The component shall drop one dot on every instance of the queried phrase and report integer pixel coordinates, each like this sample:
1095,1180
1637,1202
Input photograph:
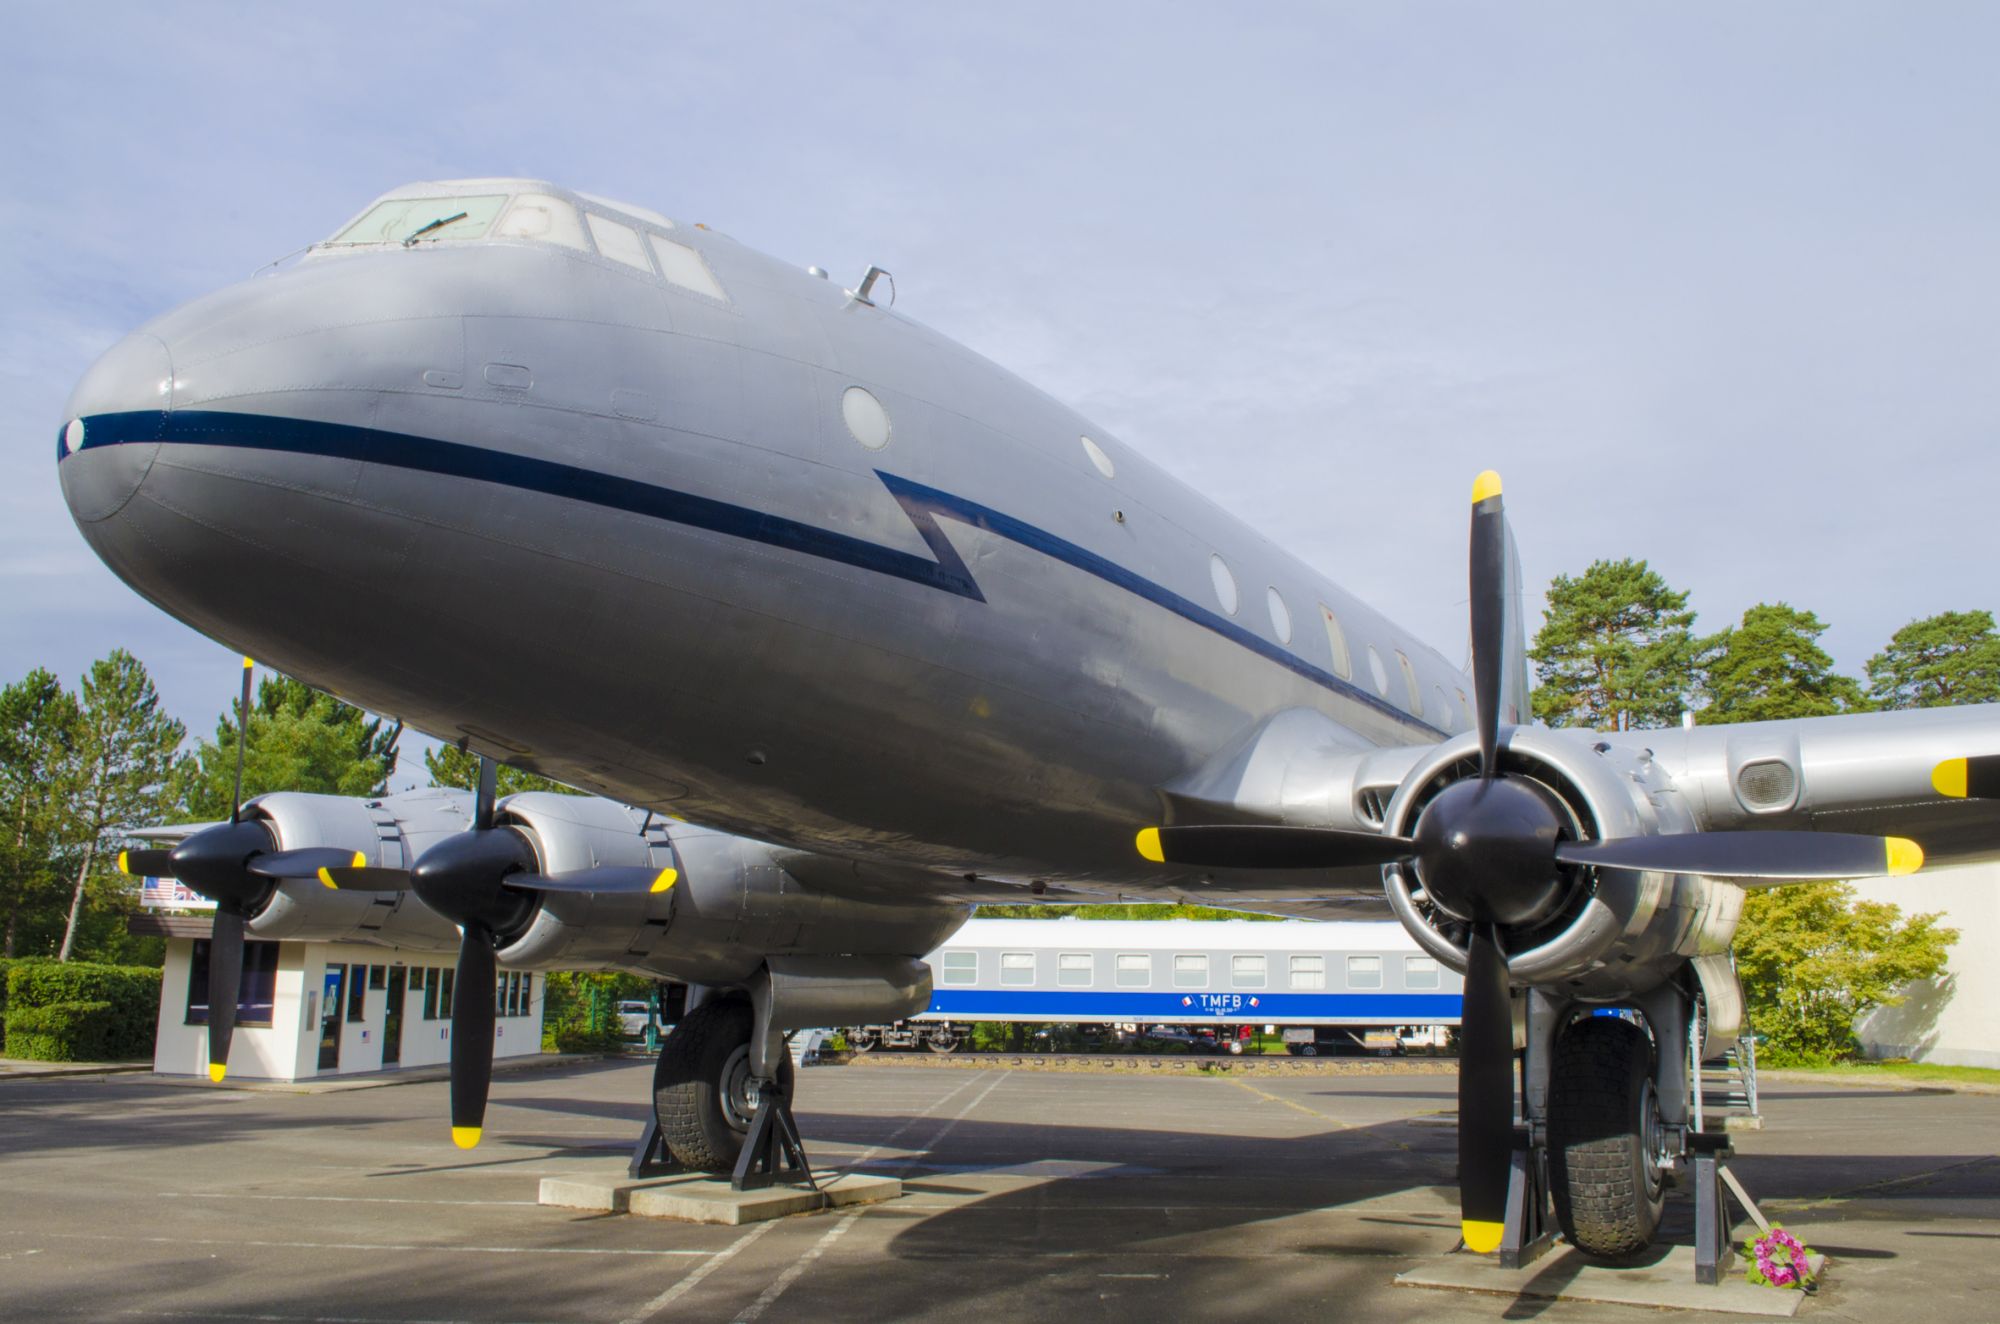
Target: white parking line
433,1248
327,1199
791,1275
689,1283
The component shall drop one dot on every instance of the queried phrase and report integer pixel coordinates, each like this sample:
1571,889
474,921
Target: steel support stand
772,1152
1714,1254
1526,1235
651,1157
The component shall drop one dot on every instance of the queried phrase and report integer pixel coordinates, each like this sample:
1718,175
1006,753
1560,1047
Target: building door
329,1019
392,1018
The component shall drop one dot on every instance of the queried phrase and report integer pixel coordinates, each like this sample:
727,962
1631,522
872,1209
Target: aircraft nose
113,425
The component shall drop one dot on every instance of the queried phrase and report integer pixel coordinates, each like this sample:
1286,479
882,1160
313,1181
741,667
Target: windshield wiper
438,224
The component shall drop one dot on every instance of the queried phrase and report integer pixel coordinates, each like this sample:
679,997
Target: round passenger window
865,417
1099,458
1281,615
1225,583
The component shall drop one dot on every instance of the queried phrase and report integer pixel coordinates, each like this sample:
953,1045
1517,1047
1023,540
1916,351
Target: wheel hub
738,1093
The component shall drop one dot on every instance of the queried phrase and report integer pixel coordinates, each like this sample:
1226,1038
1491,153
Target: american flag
171,894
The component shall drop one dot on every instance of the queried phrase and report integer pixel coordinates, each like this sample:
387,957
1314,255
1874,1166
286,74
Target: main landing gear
722,1101
1607,1124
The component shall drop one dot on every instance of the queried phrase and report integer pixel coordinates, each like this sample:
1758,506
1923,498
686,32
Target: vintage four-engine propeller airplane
625,503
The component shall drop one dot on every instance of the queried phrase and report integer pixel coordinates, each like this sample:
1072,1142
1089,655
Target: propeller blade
1488,584
363,878
482,796
225,980
472,1035
305,862
1225,846
242,739
604,880
1975,778
1776,856
1485,1094
146,863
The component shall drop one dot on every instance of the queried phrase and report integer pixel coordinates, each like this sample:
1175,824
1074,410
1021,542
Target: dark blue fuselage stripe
948,573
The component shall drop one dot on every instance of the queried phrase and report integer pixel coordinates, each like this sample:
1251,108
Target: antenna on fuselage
861,292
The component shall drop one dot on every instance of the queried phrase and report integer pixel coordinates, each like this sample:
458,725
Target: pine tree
300,740
452,766
39,729
1771,666
1616,650
120,767
1950,658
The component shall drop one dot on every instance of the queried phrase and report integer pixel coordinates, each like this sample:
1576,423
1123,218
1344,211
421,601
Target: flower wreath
1778,1259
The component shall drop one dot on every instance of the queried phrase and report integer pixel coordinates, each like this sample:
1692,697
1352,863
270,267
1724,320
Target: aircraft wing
1868,773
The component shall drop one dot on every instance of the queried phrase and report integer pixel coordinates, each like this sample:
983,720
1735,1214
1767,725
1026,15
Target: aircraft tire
699,1086
1609,1191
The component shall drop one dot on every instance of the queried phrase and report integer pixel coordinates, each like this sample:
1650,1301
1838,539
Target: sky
1715,286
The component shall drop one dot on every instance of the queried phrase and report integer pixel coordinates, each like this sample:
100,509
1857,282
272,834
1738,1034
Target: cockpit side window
618,242
684,267
423,220
539,216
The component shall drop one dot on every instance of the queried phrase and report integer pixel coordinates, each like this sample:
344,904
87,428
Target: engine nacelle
732,908
390,832
1614,933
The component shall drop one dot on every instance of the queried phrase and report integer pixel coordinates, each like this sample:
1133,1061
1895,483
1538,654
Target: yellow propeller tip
1481,1238
249,662
465,1137
1949,778
1485,486
1149,845
1905,856
326,879
667,878
123,865
360,860
217,1070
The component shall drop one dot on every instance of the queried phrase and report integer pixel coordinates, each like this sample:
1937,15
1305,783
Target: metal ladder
1725,1094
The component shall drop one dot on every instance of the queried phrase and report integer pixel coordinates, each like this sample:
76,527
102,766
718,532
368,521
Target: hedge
78,1012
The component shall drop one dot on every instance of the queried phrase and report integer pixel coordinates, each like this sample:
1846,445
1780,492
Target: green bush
124,1030
63,1032
580,1010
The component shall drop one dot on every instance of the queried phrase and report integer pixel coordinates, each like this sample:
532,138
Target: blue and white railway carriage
1228,971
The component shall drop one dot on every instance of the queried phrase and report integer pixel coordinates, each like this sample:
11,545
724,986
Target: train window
1246,972
1073,969
959,969
1017,967
1336,638
618,242
1308,972
1364,972
684,267
1135,970
1190,971
1420,972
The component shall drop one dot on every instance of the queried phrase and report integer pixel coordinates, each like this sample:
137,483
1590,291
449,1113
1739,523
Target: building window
1135,970
1246,972
527,993
445,978
256,991
357,993
1073,969
1190,971
378,977
1017,968
1420,972
959,969
1364,972
1308,972
430,978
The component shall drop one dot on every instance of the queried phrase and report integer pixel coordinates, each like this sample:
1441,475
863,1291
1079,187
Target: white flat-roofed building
313,1009
1953,1019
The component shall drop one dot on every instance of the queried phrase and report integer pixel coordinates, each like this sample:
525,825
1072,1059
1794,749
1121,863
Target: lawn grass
1912,1071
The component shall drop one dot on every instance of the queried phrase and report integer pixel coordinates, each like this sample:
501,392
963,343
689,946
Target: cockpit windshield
423,220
